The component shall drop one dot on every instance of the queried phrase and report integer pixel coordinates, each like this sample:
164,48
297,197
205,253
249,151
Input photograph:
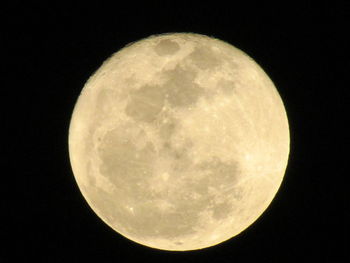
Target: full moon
179,141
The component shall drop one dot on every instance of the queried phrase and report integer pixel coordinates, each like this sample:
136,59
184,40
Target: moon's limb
179,141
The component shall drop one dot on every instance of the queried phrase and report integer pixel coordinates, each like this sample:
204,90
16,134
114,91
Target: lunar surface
179,141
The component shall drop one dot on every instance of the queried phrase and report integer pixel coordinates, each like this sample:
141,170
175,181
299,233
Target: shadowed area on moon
148,185
166,47
180,90
154,204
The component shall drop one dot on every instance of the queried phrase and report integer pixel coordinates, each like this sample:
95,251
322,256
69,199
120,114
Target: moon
179,141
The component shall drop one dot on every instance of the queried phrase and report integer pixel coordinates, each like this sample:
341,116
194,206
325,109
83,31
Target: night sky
52,49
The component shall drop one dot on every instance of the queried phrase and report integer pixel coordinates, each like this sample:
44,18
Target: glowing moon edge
261,146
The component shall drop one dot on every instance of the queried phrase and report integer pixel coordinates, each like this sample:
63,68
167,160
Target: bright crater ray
179,141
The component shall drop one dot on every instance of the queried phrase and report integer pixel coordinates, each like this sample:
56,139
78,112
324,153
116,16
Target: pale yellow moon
179,141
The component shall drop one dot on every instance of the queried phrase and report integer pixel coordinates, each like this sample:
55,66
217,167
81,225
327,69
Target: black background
51,50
